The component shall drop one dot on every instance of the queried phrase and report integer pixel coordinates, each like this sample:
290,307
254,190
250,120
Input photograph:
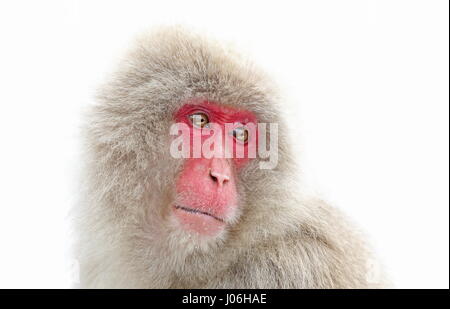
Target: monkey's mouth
197,211
199,221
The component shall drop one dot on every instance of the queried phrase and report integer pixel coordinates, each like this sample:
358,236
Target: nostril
212,177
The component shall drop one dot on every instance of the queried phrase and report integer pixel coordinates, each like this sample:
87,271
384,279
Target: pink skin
206,187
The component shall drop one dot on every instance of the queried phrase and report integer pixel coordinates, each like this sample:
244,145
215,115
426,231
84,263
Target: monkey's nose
219,177
220,171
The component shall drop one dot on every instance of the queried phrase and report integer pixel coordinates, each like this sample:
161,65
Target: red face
206,190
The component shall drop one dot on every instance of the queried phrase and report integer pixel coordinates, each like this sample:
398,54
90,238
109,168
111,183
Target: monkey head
172,89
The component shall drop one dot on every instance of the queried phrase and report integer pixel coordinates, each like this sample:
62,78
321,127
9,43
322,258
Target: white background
366,84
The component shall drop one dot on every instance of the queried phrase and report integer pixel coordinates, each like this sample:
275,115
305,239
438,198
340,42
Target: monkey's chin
199,222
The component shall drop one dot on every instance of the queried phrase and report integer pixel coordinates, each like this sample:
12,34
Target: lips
196,211
199,221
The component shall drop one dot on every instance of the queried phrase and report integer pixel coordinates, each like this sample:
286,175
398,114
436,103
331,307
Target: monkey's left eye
241,134
199,120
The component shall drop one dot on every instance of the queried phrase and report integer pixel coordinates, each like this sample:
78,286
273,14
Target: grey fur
126,238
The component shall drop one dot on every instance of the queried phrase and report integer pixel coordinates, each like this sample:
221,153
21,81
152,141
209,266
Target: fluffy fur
126,237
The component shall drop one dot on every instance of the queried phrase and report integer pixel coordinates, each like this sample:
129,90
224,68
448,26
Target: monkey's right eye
199,120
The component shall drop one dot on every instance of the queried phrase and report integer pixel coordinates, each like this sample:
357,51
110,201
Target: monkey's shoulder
319,249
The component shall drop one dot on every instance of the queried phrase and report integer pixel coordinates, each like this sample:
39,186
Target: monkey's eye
199,120
241,134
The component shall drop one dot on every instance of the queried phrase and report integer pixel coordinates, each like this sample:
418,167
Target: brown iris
241,134
199,120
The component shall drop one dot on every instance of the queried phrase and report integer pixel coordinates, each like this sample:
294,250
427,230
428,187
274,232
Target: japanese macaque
159,212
